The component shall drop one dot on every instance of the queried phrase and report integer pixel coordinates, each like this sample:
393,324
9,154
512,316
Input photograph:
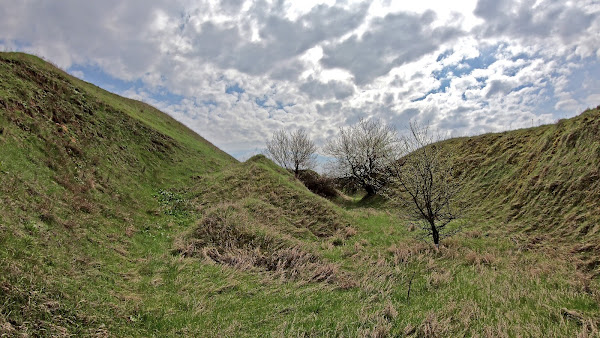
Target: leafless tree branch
363,152
424,181
294,151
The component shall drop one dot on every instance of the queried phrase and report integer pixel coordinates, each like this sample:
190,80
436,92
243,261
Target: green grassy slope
68,146
543,180
79,169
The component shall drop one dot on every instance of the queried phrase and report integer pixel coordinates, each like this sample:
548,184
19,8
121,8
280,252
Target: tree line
413,169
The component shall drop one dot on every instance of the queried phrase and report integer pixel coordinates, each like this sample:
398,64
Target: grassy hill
115,220
79,172
544,181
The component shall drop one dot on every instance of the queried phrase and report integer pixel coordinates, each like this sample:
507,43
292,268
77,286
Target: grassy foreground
116,220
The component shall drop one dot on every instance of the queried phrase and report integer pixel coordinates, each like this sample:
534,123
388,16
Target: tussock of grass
239,235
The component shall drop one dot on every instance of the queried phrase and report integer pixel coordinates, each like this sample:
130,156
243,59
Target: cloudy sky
235,70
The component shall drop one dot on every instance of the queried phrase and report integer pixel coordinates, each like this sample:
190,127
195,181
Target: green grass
543,181
80,169
111,213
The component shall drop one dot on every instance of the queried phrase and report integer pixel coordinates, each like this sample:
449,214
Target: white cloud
467,67
593,100
77,73
568,104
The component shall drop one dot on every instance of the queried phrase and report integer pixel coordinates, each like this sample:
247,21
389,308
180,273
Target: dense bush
348,186
319,184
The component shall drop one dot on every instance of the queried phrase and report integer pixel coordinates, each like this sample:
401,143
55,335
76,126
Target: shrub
319,184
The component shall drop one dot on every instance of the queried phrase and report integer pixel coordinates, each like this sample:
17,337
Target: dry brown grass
376,321
408,252
6,328
478,259
349,232
389,311
439,278
433,326
589,329
228,234
472,234
380,328
589,257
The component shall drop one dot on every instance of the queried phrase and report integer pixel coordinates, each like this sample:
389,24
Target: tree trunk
435,234
370,190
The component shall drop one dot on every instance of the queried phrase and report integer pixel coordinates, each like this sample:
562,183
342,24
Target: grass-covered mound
235,235
277,195
257,215
79,169
543,180
70,149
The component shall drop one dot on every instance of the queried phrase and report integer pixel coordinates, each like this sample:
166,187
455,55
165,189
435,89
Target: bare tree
363,152
425,177
294,151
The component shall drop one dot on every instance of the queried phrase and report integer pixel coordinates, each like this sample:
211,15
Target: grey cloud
118,35
520,19
488,9
281,39
289,71
392,41
389,98
112,34
497,87
319,90
456,119
214,43
231,6
320,23
574,21
328,108
400,120
397,82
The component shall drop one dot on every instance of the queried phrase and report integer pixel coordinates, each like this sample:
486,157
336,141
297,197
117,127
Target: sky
235,71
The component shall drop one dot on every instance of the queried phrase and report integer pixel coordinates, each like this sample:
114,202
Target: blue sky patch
444,55
517,88
235,88
445,83
446,74
261,102
97,76
487,56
